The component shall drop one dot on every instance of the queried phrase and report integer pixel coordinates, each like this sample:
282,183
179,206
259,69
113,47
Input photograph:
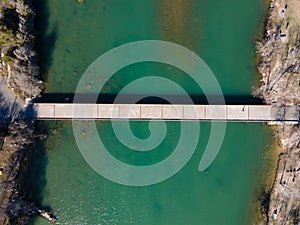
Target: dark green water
220,32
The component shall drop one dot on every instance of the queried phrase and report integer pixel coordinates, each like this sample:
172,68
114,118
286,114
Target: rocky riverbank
19,70
280,84
18,138
19,59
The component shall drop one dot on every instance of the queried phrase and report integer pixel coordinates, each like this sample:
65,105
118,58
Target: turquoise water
223,34
221,195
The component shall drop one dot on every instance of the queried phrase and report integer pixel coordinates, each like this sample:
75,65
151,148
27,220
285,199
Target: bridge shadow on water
174,99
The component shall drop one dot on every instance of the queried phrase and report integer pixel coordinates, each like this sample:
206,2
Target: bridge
234,113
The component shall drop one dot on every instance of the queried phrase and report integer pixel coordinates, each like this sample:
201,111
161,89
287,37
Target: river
223,34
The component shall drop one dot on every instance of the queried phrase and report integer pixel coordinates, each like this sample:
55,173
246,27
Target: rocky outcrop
17,50
280,65
19,137
20,71
280,68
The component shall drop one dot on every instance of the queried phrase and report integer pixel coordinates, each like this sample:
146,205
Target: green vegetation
8,43
7,37
8,32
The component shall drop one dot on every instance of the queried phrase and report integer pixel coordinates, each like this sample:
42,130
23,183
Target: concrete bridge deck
243,113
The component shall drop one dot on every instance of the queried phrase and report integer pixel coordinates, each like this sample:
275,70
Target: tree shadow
10,112
30,153
45,39
5,115
34,161
33,180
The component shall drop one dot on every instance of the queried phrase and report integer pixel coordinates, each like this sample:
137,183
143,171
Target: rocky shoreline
19,71
19,59
19,138
279,65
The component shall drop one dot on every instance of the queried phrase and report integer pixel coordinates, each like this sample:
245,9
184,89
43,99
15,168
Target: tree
7,39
